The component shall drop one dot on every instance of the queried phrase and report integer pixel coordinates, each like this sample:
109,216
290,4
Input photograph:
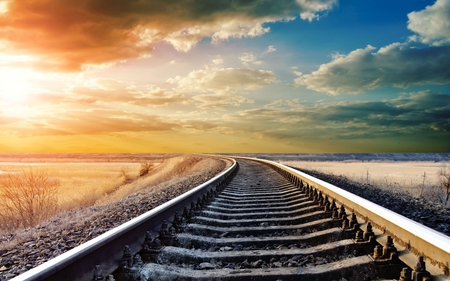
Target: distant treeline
383,157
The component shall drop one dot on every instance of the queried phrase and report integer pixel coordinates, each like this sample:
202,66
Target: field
419,179
81,181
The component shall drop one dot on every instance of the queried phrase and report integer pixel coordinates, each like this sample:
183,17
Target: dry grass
81,184
100,183
168,169
27,197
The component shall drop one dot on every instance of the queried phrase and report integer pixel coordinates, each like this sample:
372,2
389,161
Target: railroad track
259,221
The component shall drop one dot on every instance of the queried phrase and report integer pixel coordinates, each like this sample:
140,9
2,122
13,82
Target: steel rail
106,250
415,238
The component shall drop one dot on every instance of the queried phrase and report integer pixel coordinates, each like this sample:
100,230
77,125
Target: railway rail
259,220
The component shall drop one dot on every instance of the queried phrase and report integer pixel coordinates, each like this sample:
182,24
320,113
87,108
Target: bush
145,168
444,183
125,174
27,198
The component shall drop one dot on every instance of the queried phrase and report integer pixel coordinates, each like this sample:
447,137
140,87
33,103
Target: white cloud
400,65
217,61
314,8
270,49
432,24
248,59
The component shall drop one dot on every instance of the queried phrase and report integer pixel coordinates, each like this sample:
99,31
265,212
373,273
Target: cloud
7,119
248,59
219,87
401,65
314,7
226,79
72,35
270,49
85,122
411,114
432,24
217,61
107,91
220,100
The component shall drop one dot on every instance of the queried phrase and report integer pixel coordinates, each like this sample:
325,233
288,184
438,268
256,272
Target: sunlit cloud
224,78
113,91
220,100
220,87
85,122
248,59
6,118
217,61
432,24
75,35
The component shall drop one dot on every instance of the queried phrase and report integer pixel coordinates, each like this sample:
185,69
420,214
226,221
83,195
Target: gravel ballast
430,214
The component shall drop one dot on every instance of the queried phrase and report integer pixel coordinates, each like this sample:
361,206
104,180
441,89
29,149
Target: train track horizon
259,220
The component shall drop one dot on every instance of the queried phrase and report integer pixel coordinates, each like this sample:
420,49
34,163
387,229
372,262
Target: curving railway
259,220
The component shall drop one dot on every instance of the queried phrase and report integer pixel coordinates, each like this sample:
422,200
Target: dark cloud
68,35
410,114
398,65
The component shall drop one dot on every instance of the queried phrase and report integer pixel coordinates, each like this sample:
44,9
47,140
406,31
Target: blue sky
225,76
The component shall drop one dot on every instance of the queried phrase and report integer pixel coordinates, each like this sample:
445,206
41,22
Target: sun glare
3,6
15,86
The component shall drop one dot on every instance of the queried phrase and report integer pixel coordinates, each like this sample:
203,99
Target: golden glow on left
4,6
15,86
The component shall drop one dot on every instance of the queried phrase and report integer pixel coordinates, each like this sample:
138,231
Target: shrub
125,174
444,183
27,198
145,168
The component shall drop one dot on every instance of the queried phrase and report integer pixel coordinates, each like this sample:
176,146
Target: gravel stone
430,214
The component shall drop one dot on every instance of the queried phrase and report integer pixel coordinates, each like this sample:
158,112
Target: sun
15,86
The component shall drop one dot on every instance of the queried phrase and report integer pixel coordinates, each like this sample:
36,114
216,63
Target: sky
224,76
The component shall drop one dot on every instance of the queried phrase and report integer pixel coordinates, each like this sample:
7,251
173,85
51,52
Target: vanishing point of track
259,221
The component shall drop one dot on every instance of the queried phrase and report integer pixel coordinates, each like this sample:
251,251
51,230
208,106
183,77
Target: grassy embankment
73,183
